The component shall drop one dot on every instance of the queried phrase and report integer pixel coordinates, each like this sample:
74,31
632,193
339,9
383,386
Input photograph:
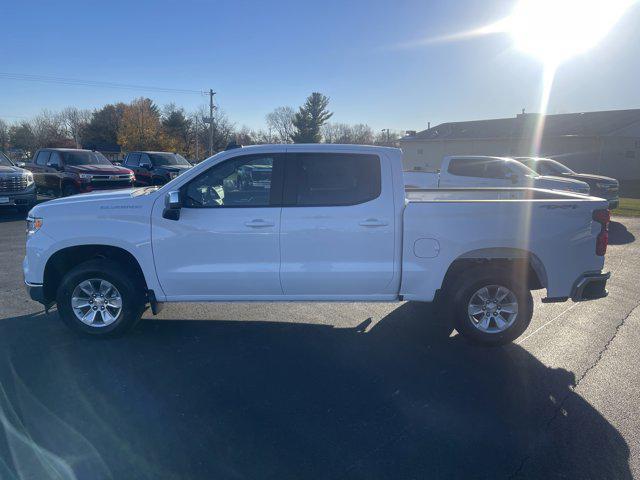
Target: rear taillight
602,240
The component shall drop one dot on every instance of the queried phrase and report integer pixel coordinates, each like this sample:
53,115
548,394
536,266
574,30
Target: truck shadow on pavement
228,399
619,235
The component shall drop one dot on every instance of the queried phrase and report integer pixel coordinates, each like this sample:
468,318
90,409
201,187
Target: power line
91,83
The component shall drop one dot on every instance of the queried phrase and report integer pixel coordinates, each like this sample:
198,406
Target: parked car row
500,172
61,172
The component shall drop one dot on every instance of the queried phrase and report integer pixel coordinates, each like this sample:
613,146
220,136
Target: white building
606,143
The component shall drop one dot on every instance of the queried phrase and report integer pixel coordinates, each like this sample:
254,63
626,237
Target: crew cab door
38,167
144,172
226,243
475,172
132,162
338,226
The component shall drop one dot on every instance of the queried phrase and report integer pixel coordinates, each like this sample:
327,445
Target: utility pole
197,141
211,94
388,133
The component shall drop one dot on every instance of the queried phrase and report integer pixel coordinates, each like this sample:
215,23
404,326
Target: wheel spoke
115,302
475,309
510,307
501,294
79,302
106,316
483,293
484,323
87,288
500,323
89,317
104,287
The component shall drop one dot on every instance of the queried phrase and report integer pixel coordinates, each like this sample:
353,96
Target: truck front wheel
98,298
491,306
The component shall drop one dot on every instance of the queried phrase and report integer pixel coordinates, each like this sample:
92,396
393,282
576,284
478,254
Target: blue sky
260,55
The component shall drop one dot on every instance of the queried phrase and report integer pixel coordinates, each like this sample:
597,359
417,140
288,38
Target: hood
175,168
98,169
590,179
557,183
11,171
101,196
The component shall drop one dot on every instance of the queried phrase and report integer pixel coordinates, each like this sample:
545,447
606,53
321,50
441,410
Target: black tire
69,190
471,281
132,294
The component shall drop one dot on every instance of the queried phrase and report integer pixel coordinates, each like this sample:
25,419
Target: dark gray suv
16,185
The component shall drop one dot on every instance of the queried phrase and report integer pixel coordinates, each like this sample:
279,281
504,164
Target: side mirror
513,177
172,205
21,164
54,165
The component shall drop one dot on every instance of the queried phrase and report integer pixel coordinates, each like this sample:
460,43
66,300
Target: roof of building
523,125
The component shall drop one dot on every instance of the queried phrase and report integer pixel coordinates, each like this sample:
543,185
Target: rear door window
332,179
55,159
42,158
133,160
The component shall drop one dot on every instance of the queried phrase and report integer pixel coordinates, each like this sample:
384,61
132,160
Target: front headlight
34,224
173,175
29,177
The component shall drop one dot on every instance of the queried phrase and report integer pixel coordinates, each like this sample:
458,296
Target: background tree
75,121
103,127
49,131
359,133
280,121
140,128
4,135
21,136
389,139
176,129
223,131
310,118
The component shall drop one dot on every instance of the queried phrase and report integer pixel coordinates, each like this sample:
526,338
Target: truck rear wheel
491,306
98,298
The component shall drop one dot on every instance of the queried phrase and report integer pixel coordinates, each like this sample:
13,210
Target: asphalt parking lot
321,390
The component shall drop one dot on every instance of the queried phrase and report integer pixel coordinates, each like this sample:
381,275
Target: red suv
67,171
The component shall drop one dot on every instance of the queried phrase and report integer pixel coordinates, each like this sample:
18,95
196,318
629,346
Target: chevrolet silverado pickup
62,172
332,223
482,171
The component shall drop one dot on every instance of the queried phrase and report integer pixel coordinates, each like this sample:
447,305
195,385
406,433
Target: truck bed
553,228
491,195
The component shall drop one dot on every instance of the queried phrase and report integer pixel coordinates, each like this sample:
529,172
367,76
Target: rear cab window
480,168
332,179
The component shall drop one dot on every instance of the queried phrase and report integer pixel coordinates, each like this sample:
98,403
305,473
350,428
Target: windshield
161,159
551,167
85,158
4,161
521,169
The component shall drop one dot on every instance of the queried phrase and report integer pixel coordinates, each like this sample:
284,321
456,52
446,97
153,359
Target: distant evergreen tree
310,118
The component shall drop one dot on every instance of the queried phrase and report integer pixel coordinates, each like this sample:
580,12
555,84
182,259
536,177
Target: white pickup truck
492,172
333,223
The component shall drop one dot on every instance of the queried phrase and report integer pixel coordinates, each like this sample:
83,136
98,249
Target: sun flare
555,30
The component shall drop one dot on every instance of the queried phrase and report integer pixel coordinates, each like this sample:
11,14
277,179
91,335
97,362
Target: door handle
373,222
259,223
